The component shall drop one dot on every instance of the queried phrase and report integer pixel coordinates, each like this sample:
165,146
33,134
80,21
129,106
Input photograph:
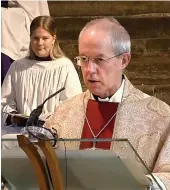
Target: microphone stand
33,118
33,121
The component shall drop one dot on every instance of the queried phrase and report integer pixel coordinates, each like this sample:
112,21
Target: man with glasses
112,107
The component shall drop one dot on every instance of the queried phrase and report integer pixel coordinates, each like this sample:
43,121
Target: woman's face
42,42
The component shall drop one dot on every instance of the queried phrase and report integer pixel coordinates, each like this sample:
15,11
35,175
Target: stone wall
148,24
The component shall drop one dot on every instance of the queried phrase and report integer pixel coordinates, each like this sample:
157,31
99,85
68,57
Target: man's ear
125,60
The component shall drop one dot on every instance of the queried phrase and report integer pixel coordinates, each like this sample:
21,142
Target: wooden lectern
52,161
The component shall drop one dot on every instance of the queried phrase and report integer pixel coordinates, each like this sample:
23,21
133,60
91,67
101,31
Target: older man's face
102,78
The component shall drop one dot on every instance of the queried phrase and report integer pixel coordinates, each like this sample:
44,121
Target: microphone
37,112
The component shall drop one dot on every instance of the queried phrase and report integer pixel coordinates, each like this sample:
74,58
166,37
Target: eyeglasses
97,60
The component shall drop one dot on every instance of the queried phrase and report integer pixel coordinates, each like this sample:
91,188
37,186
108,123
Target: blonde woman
31,80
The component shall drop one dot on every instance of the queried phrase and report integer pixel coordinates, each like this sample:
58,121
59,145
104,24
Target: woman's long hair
47,23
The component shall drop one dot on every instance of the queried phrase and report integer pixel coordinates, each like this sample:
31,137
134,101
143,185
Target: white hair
120,38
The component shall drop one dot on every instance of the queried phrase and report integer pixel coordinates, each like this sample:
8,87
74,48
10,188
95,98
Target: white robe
15,23
29,82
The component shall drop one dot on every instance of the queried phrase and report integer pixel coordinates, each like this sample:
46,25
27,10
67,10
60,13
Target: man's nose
91,66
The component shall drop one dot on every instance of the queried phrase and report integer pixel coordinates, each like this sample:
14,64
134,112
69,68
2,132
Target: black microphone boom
37,112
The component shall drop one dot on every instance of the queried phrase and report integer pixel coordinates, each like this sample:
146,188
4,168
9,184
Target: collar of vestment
48,58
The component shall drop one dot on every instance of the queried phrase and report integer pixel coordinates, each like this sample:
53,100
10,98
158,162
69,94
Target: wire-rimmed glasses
84,60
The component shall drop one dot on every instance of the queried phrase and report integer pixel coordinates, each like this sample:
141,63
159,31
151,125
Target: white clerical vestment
142,119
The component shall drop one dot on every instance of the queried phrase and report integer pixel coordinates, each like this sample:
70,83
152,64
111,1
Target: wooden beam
53,164
36,160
